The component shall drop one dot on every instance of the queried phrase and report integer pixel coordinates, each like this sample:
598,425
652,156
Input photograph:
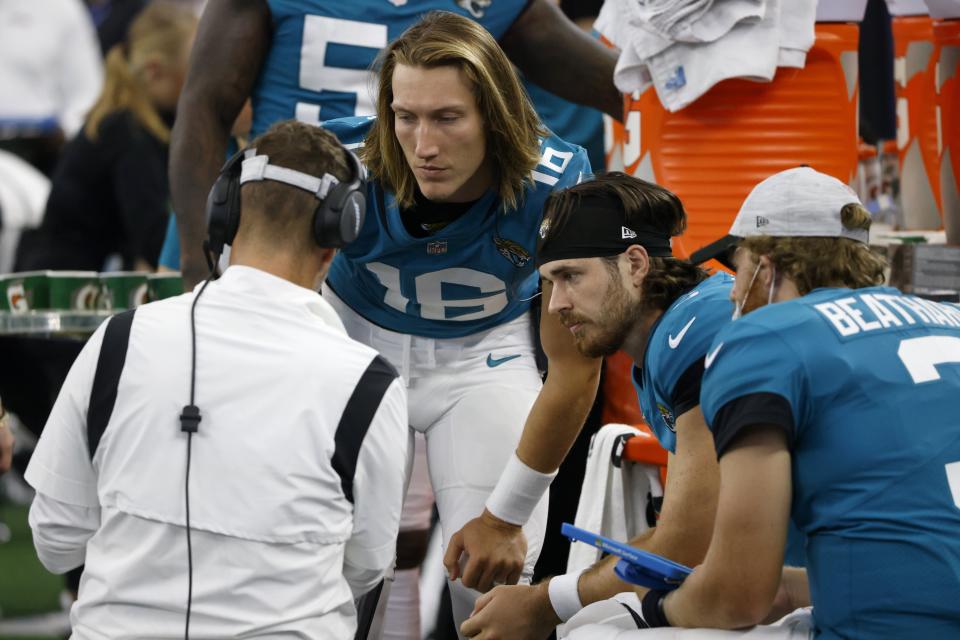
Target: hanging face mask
773,283
738,310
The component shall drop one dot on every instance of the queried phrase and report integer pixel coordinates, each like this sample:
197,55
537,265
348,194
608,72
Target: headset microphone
190,423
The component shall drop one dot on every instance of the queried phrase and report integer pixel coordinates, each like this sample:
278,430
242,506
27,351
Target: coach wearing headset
290,505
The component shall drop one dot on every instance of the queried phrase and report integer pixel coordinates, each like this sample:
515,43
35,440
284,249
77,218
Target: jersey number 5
319,32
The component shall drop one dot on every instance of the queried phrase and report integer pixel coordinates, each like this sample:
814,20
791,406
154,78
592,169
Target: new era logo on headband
544,228
762,222
592,233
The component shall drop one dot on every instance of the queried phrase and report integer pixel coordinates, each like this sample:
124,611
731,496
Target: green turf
26,588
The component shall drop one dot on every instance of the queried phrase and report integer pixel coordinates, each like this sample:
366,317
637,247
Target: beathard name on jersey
873,311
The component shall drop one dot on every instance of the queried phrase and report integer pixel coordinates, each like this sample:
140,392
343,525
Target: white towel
907,7
641,484
613,502
797,32
686,71
23,198
644,25
942,9
685,47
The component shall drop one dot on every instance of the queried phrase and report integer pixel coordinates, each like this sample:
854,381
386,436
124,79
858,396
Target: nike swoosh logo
496,362
675,342
708,360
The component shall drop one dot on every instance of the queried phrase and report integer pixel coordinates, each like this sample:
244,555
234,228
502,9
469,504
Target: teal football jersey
319,63
669,383
868,384
474,274
678,341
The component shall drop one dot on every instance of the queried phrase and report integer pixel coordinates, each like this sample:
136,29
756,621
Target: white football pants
470,397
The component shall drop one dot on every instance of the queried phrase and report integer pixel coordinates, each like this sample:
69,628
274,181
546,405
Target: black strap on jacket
356,419
103,396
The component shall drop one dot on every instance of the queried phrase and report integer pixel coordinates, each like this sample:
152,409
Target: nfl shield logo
436,248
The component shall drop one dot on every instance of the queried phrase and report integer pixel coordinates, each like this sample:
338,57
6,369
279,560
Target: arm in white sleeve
80,68
61,532
361,581
378,487
66,510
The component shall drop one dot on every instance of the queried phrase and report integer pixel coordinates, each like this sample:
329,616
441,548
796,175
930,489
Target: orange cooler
714,151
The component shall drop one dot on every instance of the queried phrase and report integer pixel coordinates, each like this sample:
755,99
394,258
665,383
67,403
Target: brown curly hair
824,262
280,212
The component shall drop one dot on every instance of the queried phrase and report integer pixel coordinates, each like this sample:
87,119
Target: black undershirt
751,410
426,217
686,393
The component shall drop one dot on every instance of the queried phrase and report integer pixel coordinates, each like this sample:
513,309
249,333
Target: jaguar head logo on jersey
474,7
667,416
512,251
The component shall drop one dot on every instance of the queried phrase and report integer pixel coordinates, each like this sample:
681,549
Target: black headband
596,229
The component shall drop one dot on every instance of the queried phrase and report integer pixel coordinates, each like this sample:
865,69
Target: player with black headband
605,247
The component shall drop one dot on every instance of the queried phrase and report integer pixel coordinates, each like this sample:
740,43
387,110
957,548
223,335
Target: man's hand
6,445
495,552
519,612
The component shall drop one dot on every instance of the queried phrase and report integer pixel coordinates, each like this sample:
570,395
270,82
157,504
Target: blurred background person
576,123
112,19
51,71
110,190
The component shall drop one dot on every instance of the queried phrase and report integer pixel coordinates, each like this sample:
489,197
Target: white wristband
518,491
564,596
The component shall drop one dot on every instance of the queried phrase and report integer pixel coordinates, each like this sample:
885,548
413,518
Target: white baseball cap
798,202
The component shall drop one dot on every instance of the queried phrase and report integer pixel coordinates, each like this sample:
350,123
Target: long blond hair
161,31
512,127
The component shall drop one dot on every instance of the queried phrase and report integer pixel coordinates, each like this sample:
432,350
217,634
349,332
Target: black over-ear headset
336,220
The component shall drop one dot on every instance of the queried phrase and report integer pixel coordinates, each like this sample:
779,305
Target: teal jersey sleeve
746,359
870,380
668,384
351,131
170,253
572,122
